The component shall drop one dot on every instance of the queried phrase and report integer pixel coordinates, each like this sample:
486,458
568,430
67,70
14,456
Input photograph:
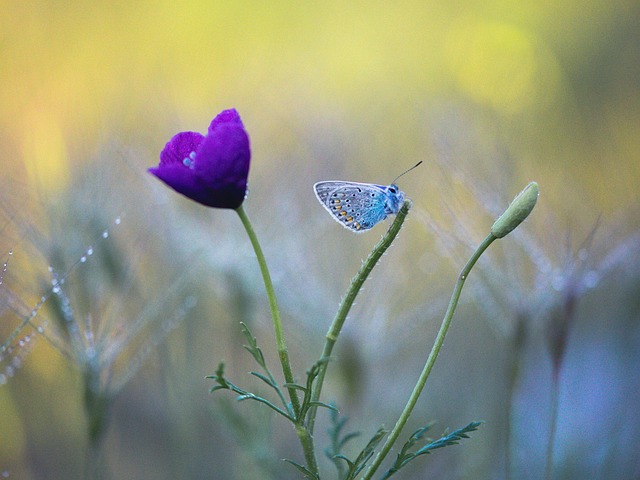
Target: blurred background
117,289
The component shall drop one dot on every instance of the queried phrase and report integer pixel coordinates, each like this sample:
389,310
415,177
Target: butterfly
360,206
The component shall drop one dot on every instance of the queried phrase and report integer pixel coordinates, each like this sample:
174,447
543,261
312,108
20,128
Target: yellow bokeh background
489,94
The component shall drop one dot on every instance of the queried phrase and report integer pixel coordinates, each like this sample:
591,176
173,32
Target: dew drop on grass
105,234
90,251
83,259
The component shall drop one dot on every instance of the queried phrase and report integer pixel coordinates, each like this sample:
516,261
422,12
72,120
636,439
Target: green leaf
295,386
325,405
265,379
333,451
219,378
404,457
340,456
415,436
253,345
367,451
452,439
312,374
348,437
216,387
357,465
304,470
224,384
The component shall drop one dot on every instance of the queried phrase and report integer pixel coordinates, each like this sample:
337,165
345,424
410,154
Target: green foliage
307,401
286,411
304,470
338,442
267,377
354,467
349,469
224,384
405,456
302,413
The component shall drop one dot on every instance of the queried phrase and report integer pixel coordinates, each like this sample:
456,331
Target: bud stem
435,350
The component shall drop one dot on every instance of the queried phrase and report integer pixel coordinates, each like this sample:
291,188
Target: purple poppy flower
211,169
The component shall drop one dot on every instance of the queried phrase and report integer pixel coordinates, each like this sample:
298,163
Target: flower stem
305,438
435,350
283,353
349,298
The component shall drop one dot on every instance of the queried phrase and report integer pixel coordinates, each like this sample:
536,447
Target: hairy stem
435,350
347,302
306,439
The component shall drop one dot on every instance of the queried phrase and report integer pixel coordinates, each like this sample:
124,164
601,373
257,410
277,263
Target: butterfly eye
393,189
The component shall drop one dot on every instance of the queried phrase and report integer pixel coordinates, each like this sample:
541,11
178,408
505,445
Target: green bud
517,211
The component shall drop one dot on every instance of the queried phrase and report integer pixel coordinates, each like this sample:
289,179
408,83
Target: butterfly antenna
407,171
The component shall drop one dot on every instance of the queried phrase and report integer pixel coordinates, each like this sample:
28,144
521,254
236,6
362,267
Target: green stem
435,350
306,439
349,298
273,306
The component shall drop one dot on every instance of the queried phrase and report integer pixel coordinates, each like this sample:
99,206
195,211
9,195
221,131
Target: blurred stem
349,298
435,350
555,394
97,404
306,439
514,373
516,347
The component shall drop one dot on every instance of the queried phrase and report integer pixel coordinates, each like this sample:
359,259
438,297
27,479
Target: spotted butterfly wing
357,206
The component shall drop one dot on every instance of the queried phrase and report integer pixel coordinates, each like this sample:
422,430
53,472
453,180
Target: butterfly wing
356,206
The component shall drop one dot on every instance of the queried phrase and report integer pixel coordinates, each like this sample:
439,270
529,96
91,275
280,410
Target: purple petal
225,117
223,157
217,165
179,147
183,180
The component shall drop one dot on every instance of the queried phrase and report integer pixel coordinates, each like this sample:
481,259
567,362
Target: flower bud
518,210
210,169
